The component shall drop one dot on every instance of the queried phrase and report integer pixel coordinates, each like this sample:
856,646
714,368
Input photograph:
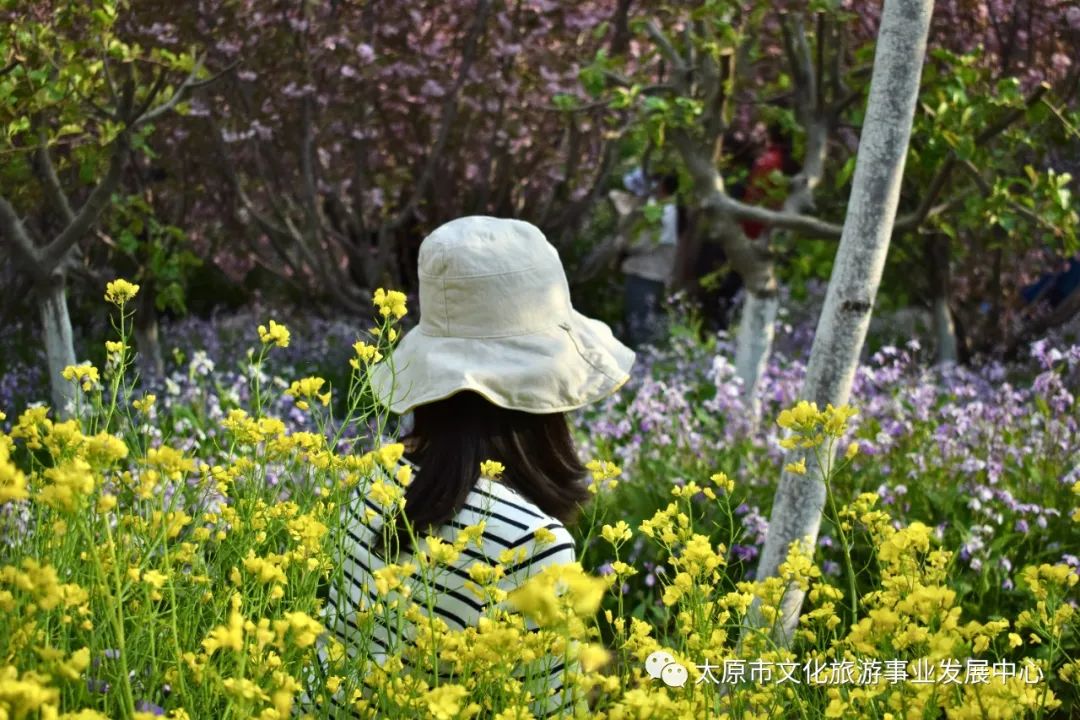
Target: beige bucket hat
495,318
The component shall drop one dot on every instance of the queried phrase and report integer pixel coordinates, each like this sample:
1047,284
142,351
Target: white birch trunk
894,87
757,325
59,347
945,332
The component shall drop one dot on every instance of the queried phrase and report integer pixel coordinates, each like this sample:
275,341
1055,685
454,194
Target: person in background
775,156
636,182
649,268
1054,287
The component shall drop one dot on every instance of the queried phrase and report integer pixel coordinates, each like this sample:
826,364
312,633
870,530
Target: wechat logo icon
661,665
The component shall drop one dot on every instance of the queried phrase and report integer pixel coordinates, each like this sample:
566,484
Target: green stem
826,478
117,620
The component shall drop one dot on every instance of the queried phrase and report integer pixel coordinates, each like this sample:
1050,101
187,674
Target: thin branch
836,79
155,88
913,220
215,77
666,48
819,60
987,190
47,172
11,227
55,252
114,94
941,177
170,104
787,36
448,115
795,222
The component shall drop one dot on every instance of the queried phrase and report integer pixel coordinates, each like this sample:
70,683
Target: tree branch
941,177
11,227
47,173
169,105
987,190
448,114
54,253
667,49
155,89
807,81
819,60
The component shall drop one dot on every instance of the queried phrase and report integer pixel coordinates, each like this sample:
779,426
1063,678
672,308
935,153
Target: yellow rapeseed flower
603,475
366,353
120,291
390,303
276,334
543,536
86,375
444,702
559,592
306,389
723,482
592,657
12,480
143,405
388,455
67,484
617,534
798,468
804,416
226,637
492,469
440,551
305,629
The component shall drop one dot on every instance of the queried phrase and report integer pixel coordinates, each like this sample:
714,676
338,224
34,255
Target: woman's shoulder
510,515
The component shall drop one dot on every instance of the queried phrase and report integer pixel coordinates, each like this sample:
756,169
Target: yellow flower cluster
136,549
492,469
306,389
809,426
275,334
12,480
390,303
603,475
366,354
86,375
120,291
559,593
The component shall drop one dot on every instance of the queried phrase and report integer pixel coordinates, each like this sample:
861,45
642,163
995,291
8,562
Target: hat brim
562,368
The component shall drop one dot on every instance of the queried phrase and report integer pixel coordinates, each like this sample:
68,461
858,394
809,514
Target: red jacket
759,184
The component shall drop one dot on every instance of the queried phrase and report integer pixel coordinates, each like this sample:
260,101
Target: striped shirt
510,523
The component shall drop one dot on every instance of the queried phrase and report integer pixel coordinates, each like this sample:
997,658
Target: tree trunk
945,332
937,259
150,360
864,244
59,347
757,324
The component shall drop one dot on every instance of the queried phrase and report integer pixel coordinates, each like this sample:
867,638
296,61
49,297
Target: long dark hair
450,439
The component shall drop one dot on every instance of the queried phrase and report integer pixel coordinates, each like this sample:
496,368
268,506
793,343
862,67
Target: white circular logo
661,665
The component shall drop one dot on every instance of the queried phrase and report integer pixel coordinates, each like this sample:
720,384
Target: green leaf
845,173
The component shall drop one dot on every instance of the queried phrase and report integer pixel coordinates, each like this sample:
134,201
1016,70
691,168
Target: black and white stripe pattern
510,524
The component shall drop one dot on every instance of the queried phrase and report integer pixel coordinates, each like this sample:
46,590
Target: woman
649,268
497,359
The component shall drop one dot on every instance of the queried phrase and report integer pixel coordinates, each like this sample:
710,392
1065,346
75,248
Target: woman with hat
498,359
